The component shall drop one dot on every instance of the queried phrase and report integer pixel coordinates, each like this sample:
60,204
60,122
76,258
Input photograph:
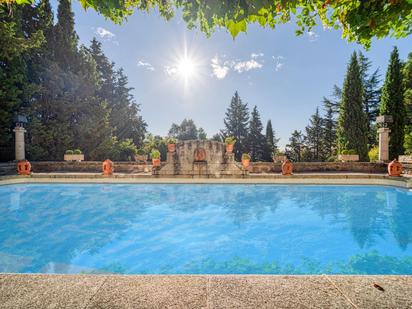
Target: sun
186,68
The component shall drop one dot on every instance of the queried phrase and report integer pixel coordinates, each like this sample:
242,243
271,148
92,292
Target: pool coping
204,291
303,178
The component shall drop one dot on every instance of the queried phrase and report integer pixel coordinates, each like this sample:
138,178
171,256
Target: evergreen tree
352,129
201,134
187,130
295,147
66,39
314,137
236,124
271,141
371,95
407,86
15,87
392,104
217,137
329,133
256,141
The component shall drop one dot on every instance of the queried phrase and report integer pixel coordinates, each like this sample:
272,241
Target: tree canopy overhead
359,20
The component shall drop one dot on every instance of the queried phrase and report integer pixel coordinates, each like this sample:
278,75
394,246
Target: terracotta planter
245,163
24,167
229,148
395,168
287,168
277,159
171,147
107,167
156,162
74,157
348,158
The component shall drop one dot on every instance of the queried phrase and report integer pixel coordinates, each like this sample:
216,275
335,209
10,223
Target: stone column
384,144
19,148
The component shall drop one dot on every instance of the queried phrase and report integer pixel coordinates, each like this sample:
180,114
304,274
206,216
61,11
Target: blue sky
284,75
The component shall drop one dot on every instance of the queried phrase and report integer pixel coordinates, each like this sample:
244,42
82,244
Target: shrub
69,152
245,156
77,151
155,154
373,154
171,140
230,140
140,152
332,159
348,152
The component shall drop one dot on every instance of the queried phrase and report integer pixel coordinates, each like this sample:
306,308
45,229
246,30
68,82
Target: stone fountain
200,158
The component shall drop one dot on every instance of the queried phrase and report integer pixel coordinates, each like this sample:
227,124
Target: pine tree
236,124
314,137
256,141
271,141
352,129
329,133
392,104
371,95
295,147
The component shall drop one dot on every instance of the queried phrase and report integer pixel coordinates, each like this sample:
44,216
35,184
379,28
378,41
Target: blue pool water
205,229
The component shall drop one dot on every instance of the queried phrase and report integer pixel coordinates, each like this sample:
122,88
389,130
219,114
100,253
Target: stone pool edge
314,179
204,291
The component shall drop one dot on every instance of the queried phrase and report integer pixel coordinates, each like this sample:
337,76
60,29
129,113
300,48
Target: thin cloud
278,62
145,65
104,33
313,36
219,69
170,70
222,68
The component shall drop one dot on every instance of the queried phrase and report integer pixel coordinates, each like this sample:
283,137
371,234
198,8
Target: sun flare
186,68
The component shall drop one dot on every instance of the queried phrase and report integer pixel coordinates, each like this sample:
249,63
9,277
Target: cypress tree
66,39
236,124
407,86
256,141
352,129
392,104
271,141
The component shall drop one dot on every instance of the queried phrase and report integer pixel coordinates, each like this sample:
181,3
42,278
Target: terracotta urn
395,168
229,148
23,167
245,163
156,162
107,167
287,168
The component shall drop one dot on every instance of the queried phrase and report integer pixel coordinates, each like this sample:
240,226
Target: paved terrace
187,291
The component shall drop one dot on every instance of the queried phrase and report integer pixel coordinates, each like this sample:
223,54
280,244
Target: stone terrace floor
208,291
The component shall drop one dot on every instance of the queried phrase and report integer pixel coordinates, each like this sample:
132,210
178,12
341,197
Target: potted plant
279,156
245,160
155,155
230,142
74,155
141,155
171,144
348,156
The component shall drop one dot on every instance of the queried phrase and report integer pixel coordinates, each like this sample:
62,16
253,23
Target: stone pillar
19,148
384,144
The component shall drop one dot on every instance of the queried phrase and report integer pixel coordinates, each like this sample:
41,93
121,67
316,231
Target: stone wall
87,167
312,167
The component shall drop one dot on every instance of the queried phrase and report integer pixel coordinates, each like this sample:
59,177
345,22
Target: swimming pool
205,229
